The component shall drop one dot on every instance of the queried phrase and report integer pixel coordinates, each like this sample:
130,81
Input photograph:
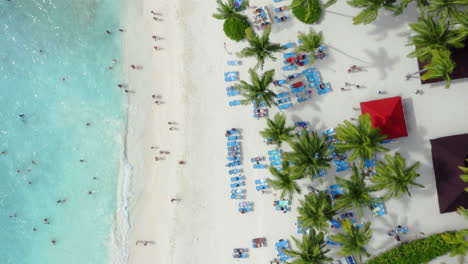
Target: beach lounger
233,93
296,85
289,68
233,62
231,76
237,197
298,90
260,181
261,187
237,191
230,89
234,158
335,186
281,95
282,244
244,210
232,143
279,82
289,44
293,76
284,258
234,103
308,71
335,223
259,166
234,171
378,208
302,99
283,100
232,138
276,163
289,55
237,178
323,90
245,204
237,184
275,157
274,152
285,106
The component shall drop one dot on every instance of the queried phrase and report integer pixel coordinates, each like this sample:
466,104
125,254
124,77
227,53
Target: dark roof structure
447,154
460,57
387,114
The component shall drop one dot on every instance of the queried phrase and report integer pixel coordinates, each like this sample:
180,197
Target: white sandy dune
205,226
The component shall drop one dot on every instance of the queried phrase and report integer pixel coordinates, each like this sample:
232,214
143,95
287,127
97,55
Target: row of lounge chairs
275,158
282,205
234,160
245,207
261,184
282,245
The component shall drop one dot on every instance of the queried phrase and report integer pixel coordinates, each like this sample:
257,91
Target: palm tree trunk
409,75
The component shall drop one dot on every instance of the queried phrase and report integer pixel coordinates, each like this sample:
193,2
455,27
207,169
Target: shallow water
53,132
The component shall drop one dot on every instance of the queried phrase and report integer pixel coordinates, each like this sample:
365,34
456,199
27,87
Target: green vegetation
446,10
415,252
357,193
362,139
316,210
258,91
459,243
234,27
310,43
284,180
311,153
395,177
464,176
260,47
310,250
354,239
307,11
277,129
441,66
370,9
235,24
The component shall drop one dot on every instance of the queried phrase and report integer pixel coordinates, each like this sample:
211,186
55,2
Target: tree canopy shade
371,9
310,43
447,10
354,239
277,129
310,250
260,47
258,91
235,24
357,193
316,210
284,180
394,177
311,153
441,66
362,139
432,34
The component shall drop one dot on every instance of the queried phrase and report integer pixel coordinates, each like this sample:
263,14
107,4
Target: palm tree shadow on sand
381,61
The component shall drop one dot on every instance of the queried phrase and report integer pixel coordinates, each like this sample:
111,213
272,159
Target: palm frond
354,239
311,249
257,92
316,210
441,66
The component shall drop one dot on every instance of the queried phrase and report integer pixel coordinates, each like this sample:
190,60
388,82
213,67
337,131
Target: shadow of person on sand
381,61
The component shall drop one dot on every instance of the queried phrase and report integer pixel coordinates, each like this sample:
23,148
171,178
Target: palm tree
354,239
464,176
356,193
459,242
310,43
441,66
258,91
432,35
395,177
462,21
310,250
228,9
260,47
307,11
371,9
285,181
462,211
446,9
363,139
310,154
316,210
277,129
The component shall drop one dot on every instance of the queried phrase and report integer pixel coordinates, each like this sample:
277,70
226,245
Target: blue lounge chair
284,258
281,95
232,143
289,55
230,89
283,100
293,76
308,71
335,186
237,191
232,138
259,166
234,158
237,184
289,44
234,103
237,197
335,223
274,152
233,164
279,82
245,209
233,93
245,204
276,163
261,187
260,181
234,131
281,243
324,89
285,106
234,171
237,178
233,62
298,89
275,157
231,76
289,68
378,208
302,99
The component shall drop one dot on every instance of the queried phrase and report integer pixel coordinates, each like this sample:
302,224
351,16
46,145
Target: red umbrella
387,114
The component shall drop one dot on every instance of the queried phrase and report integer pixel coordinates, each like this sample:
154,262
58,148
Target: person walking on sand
172,128
133,66
175,200
171,123
155,48
108,32
181,162
164,152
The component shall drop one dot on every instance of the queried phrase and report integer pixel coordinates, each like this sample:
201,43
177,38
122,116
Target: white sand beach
204,226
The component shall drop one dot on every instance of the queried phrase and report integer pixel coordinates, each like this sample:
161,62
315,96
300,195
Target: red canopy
387,114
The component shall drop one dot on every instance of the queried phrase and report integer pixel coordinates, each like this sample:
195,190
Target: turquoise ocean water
53,132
